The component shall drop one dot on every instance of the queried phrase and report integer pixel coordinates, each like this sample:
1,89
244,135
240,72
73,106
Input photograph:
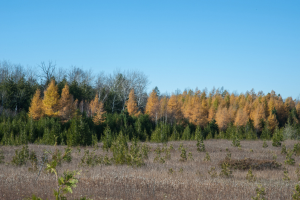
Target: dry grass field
154,180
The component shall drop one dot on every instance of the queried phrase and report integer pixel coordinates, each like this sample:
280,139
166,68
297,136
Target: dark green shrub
297,149
1,157
21,156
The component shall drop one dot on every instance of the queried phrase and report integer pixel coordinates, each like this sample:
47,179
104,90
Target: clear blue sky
239,44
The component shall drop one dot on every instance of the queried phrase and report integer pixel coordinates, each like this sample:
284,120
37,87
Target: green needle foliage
277,138
296,195
236,142
298,173
225,172
297,149
283,149
1,157
288,159
207,157
265,145
286,175
250,177
190,156
200,145
212,172
183,157
260,193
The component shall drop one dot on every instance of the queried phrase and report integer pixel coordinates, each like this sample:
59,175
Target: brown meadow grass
189,180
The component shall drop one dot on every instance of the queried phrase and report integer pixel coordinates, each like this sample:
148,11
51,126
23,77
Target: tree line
76,107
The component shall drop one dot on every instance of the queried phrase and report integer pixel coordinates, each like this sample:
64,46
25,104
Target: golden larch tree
241,118
152,106
51,100
273,123
67,106
36,107
199,113
132,105
174,108
97,110
222,118
258,115
163,108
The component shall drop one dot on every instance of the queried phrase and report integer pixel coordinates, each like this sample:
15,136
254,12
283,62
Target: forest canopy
75,107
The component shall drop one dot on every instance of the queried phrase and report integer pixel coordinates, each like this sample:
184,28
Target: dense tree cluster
77,108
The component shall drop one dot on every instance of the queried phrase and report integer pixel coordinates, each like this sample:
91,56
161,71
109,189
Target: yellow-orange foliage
163,107
241,118
132,105
36,107
298,109
174,108
273,123
258,115
67,107
211,113
97,110
222,118
199,114
152,106
51,100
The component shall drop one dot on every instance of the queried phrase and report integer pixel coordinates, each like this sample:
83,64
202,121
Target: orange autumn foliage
97,110
51,100
132,105
36,107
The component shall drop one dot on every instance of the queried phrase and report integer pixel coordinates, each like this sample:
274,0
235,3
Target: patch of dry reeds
188,180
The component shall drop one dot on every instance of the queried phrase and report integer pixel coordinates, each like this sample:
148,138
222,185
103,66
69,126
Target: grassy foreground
171,177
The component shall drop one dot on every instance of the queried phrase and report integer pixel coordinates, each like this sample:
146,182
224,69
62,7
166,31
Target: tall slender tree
36,107
132,105
97,110
67,106
51,100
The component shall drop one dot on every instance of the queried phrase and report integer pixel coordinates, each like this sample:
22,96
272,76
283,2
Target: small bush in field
200,145
283,149
236,142
288,159
190,156
158,152
286,175
228,155
89,159
183,155
260,193
168,154
298,173
265,145
68,156
277,138
212,172
106,160
1,157
207,157
21,156
274,157
145,150
250,177
33,160
171,171
225,172
296,195
297,149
